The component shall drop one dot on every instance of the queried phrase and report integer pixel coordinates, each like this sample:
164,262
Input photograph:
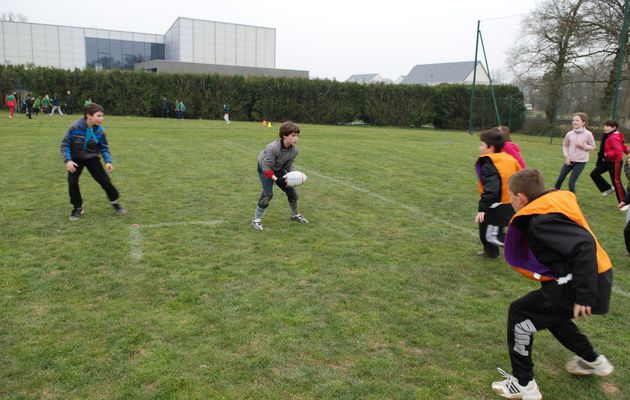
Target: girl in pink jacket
575,147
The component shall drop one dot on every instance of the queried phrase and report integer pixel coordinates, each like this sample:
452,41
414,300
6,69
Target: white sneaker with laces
608,192
299,218
600,367
511,389
257,225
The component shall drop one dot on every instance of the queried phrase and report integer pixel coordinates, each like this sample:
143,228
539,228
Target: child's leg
615,177
527,315
626,234
578,167
98,173
490,249
564,171
73,186
265,196
568,334
596,176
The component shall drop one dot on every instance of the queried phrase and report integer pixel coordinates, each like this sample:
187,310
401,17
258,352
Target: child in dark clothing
80,147
610,158
493,170
549,240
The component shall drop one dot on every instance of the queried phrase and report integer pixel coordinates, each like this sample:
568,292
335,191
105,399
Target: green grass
379,297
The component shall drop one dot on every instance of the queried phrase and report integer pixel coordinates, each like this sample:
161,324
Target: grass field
381,296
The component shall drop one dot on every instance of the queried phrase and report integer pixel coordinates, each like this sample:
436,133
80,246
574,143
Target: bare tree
554,38
13,17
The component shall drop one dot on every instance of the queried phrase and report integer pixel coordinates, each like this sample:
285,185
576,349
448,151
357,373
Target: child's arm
105,152
590,142
491,182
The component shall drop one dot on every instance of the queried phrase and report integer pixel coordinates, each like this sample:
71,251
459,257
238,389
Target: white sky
330,39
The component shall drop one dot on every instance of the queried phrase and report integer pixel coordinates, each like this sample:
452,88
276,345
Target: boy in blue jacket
80,147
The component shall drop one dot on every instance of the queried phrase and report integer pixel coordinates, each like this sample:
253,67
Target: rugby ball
295,178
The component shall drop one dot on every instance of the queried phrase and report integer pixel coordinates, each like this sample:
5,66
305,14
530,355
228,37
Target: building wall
174,67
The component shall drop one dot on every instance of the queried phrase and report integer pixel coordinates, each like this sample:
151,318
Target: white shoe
608,192
600,367
511,389
257,225
299,218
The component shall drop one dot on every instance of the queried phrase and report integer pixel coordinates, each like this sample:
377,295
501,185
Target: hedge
275,99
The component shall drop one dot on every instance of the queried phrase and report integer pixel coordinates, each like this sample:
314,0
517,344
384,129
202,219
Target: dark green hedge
274,99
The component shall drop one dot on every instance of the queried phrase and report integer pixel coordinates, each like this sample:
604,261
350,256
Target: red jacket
614,148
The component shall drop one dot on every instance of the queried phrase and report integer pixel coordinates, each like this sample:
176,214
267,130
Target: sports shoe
483,253
76,213
608,192
600,367
299,218
511,389
257,225
119,209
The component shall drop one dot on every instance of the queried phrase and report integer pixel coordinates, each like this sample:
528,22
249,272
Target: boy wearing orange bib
549,240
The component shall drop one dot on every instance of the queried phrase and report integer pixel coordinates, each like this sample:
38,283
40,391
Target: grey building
192,42
453,72
365,78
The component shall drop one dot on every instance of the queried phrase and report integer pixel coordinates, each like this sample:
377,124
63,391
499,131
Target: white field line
377,196
135,236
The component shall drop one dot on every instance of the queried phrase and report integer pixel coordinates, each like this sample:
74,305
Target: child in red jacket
614,150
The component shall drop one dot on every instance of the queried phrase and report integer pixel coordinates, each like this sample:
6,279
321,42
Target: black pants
626,236
98,173
532,313
489,248
614,171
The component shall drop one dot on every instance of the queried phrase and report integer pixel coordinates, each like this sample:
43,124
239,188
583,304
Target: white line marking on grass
377,196
135,237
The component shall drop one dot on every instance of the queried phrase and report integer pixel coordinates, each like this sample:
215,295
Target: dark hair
611,122
505,131
528,181
288,128
91,109
493,137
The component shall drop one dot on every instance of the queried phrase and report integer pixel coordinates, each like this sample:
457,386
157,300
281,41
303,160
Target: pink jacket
512,149
582,137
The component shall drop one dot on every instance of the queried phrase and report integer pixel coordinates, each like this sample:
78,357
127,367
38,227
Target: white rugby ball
295,178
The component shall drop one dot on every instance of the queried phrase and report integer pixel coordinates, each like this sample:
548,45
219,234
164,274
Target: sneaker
600,367
299,218
608,192
257,225
119,209
483,253
76,213
511,389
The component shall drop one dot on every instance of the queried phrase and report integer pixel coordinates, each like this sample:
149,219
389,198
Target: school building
189,46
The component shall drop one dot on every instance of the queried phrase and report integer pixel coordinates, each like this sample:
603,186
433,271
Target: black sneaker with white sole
76,213
257,225
299,218
119,209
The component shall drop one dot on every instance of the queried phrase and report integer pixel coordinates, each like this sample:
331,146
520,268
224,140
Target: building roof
431,74
365,78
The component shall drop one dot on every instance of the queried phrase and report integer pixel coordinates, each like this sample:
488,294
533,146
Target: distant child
274,161
226,113
549,240
575,147
10,101
610,158
510,147
80,147
493,170
56,105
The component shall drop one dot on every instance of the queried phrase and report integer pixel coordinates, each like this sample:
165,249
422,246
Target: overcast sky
330,39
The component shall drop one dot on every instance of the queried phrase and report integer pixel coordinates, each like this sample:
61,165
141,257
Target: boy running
80,147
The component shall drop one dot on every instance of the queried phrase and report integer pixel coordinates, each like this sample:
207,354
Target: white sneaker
299,218
511,389
608,192
600,367
257,225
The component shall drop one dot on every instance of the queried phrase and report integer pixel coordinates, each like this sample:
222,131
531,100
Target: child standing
614,150
80,147
226,113
549,240
510,147
575,147
493,170
274,161
10,100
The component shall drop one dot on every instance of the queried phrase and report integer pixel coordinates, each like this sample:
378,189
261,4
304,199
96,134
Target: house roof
429,74
363,78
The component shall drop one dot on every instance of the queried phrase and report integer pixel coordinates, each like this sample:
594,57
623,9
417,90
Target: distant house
399,79
366,78
453,72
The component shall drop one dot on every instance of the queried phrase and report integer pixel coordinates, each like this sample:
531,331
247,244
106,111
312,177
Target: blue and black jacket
83,143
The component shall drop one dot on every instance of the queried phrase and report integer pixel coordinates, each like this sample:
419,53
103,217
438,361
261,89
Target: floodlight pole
622,45
472,94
